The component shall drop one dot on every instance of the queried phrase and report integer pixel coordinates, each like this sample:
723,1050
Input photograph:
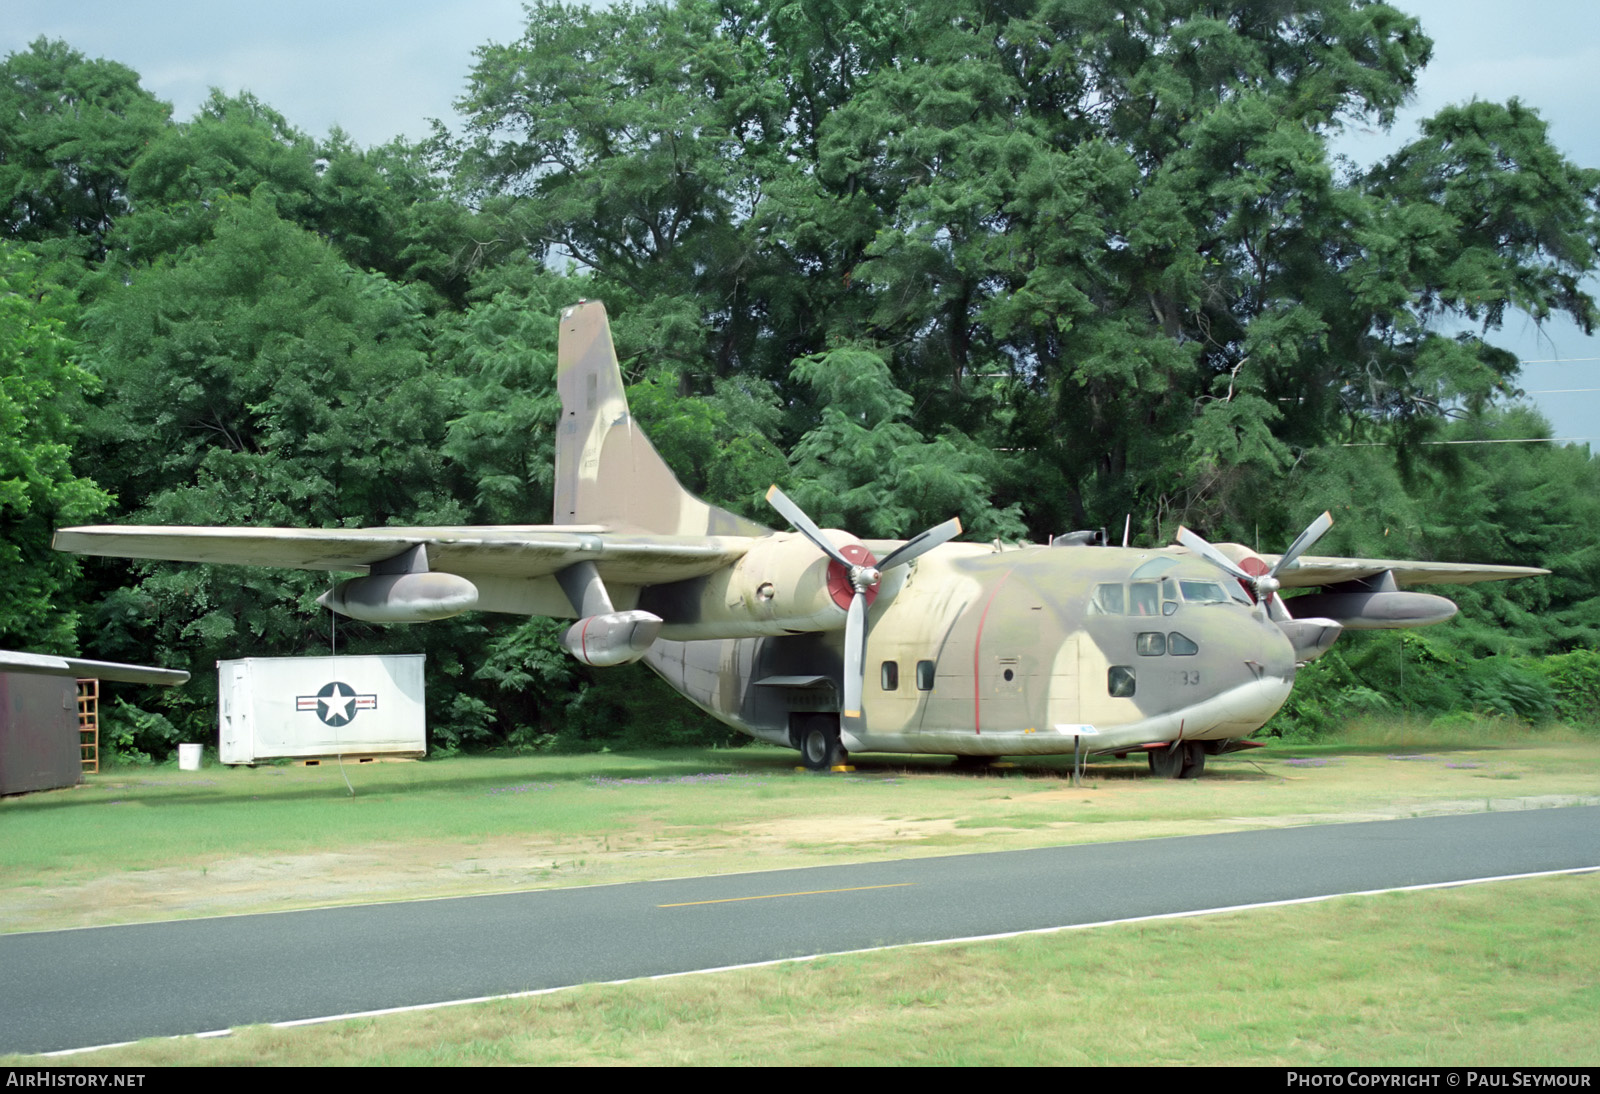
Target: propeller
861,573
1266,585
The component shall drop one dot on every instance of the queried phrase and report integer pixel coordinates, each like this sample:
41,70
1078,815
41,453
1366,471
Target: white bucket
189,757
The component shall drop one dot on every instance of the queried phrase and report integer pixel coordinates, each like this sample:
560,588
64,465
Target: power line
1492,440
1558,361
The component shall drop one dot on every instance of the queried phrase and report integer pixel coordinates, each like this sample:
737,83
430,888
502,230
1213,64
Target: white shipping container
273,707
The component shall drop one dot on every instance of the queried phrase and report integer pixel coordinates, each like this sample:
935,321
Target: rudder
607,471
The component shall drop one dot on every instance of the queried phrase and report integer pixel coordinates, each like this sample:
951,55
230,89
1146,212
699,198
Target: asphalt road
69,989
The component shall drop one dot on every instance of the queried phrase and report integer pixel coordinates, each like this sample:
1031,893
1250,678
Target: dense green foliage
1037,263
40,388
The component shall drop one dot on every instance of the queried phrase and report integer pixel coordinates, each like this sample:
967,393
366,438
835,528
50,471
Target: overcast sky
380,70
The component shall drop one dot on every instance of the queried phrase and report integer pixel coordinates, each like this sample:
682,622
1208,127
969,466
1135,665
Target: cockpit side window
1203,592
1144,598
1181,645
1108,599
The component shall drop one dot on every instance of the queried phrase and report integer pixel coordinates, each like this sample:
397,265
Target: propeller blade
863,577
797,517
855,657
1314,531
920,545
1221,561
1264,585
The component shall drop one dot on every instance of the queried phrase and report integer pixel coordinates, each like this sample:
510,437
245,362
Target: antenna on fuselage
1127,524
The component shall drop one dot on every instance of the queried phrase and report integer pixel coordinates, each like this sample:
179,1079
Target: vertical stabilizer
607,472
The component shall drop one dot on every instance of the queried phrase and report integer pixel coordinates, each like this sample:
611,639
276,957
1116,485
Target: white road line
850,953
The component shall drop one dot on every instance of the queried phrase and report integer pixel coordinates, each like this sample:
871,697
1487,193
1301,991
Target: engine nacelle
402,598
780,586
1364,611
615,638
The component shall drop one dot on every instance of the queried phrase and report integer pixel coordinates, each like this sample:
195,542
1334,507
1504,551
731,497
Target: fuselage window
924,675
1120,681
891,676
1180,646
1151,644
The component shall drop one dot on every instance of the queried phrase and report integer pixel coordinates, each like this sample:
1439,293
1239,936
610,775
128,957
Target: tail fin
607,472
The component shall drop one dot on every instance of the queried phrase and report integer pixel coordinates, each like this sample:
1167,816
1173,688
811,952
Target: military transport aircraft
827,643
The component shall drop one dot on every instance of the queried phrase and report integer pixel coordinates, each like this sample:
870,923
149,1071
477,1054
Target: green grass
1487,974
1502,974
154,843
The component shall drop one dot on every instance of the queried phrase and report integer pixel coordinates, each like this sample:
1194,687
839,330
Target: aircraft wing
1312,570
506,551
44,664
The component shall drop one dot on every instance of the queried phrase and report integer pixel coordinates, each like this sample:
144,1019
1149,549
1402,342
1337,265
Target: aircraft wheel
1166,763
1194,760
820,749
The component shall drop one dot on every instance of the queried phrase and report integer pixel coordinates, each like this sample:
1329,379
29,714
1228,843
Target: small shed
305,707
38,733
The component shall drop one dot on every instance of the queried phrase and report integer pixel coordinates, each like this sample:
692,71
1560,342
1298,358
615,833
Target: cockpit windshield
1137,598
1148,598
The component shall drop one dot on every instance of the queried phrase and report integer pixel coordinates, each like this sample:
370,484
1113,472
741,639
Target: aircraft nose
1273,670
1256,669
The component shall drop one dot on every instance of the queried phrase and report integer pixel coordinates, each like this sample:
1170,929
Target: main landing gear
1185,760
817,737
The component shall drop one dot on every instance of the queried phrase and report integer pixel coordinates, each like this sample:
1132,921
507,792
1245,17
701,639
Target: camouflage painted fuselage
985,652
968,649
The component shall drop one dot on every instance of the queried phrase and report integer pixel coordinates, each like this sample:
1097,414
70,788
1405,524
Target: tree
70,130
380,208
1106,240
40,389
864,467
257,378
